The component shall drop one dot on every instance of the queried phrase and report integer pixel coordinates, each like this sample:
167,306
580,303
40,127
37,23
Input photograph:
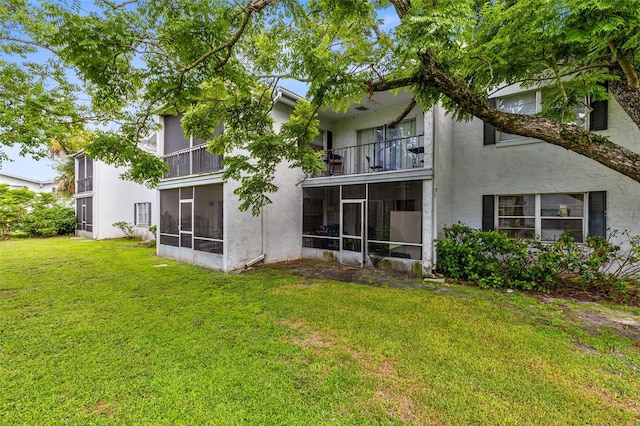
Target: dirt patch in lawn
337,272
595,316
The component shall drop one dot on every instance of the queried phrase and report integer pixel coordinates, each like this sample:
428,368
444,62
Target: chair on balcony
333,161
375,167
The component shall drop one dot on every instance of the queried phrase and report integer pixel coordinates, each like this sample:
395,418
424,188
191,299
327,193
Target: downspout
434,204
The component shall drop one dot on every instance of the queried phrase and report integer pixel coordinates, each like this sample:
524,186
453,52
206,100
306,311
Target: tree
14,204
218,61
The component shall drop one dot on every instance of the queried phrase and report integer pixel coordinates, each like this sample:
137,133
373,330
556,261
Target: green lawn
101,333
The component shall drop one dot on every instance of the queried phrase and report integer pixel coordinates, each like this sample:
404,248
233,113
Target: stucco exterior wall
114,199
529,167
443,128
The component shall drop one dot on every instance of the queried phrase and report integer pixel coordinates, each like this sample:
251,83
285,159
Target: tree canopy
219,61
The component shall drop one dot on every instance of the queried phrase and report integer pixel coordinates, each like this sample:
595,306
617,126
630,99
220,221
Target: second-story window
530,103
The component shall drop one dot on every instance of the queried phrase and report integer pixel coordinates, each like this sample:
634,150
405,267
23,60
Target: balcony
84,185
393,154
192,161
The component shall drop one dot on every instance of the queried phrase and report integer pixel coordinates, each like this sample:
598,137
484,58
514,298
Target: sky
27,167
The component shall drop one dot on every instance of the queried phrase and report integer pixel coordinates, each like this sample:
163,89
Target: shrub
46,221
126,228
491,259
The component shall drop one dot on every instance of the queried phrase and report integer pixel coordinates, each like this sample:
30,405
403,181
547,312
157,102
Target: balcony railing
192,161
393,154
84,185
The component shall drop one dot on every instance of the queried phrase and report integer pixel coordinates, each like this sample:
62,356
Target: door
186,223
352,235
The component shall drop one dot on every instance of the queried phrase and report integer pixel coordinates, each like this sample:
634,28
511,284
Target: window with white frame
142,214
542,216
521,103
529,103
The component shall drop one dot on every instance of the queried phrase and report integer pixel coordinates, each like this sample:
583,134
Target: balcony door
386,147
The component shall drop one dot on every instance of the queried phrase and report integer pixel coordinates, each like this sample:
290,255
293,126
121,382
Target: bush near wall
491,259
47,221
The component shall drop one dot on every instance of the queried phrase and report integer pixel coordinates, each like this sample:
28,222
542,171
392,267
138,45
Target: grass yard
101,333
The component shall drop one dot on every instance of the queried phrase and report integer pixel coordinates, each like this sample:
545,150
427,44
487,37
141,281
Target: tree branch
627,96
404,113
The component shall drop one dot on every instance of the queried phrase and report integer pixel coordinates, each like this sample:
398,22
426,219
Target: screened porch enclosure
192,218
377,219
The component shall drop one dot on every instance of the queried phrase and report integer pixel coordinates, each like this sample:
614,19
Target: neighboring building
102,198
528,188
17,182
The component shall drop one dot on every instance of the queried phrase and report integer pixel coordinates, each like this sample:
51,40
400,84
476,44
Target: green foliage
126,228
36,214
14,204
219,62
491,259
49,220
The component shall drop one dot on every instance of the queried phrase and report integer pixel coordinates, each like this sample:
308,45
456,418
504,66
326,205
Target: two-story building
199,218
102,198
389,187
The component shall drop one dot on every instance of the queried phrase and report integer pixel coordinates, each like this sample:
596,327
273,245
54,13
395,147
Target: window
84,214
542,216
531,103
84,178
142,214
208,219
321,218
521,103
393,218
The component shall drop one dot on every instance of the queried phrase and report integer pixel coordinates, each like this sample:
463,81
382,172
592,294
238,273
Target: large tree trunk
573,138
627,96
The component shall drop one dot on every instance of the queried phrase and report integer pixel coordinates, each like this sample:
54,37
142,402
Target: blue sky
26,166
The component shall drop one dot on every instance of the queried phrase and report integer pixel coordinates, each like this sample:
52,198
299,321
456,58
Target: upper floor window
592,117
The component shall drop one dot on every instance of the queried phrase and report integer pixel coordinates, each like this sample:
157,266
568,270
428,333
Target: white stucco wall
443,127
114,199
530,167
